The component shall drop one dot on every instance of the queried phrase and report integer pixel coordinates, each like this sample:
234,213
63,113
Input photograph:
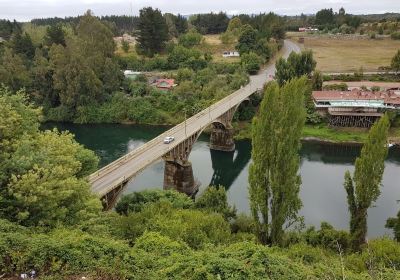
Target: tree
13,71
22,44
251,62
394,224
396,62
214,199
295,66
317,80
363,189
247,41
325,17
125,46
153,31
234,26
190,39
42,175
55,34
273,174
76,83
181,24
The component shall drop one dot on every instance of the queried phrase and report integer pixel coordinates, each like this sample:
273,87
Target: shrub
190,39
135,202
395,35
251,62
214,199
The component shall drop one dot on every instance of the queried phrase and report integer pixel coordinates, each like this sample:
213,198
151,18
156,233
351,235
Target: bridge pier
221,138
179,176
178,172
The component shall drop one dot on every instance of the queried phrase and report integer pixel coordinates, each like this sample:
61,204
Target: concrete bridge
109,181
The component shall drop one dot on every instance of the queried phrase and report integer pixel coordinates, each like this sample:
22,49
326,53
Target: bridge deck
120,171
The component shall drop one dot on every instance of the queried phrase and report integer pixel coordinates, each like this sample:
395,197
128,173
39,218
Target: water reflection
322,170
228,165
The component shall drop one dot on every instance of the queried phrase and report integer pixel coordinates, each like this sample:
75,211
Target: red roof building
355,108
165,83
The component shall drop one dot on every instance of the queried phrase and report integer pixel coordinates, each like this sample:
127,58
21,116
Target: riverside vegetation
50,222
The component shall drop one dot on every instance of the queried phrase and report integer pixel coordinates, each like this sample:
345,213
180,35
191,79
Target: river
322,171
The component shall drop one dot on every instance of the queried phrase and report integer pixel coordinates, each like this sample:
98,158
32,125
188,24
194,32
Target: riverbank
323,133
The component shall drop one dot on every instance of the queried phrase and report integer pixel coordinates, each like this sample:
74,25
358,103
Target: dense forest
73,71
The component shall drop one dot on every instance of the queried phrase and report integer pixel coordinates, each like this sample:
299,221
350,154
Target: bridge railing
156,141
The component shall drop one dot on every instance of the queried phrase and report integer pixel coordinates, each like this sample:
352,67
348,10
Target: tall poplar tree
364,188
273,175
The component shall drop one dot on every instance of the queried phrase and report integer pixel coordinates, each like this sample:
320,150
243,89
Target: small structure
230,54
308,29
355,108
165,84
131,74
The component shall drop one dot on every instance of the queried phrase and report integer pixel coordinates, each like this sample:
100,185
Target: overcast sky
24,10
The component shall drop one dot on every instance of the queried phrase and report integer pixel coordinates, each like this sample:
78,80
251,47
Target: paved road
126,167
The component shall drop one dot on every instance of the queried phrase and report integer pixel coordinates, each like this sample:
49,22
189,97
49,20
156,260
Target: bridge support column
222,138
178,172
179,176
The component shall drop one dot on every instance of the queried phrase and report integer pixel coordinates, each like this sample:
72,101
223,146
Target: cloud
27,9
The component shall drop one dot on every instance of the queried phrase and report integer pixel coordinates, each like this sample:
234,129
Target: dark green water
322,170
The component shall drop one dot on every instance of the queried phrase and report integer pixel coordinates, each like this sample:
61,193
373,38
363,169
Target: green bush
251,62
395,35
190,39
136,201
214,199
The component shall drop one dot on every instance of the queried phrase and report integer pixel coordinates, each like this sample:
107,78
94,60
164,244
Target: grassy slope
348,54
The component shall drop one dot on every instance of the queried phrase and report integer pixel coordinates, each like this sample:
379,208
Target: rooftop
387,97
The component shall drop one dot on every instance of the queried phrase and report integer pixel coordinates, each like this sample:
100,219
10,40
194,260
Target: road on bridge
120,171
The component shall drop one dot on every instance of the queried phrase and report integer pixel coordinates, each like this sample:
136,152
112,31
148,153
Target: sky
25,10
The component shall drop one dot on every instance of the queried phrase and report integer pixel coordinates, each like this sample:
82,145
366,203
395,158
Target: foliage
363,189
196,228
125,46
153,31
13,71
190,39
247,41
42,175
214,199
394,224
295,66
273,175
55,34
135,202
328,238
396,61
210,23
395,35
250,62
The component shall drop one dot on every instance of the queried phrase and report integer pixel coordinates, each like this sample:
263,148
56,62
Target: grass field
349,53
213,44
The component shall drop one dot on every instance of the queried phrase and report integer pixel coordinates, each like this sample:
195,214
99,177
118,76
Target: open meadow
348,53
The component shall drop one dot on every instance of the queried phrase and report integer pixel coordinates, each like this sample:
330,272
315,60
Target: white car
168,139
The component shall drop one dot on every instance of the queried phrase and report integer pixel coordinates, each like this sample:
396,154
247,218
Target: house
165,84
131,74
230,54
307,29
355,108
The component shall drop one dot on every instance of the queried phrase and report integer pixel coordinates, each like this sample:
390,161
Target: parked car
168,139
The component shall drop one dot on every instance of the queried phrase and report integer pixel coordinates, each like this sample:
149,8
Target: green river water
322,171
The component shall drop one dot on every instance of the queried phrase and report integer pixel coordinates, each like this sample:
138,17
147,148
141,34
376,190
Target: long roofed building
355,108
